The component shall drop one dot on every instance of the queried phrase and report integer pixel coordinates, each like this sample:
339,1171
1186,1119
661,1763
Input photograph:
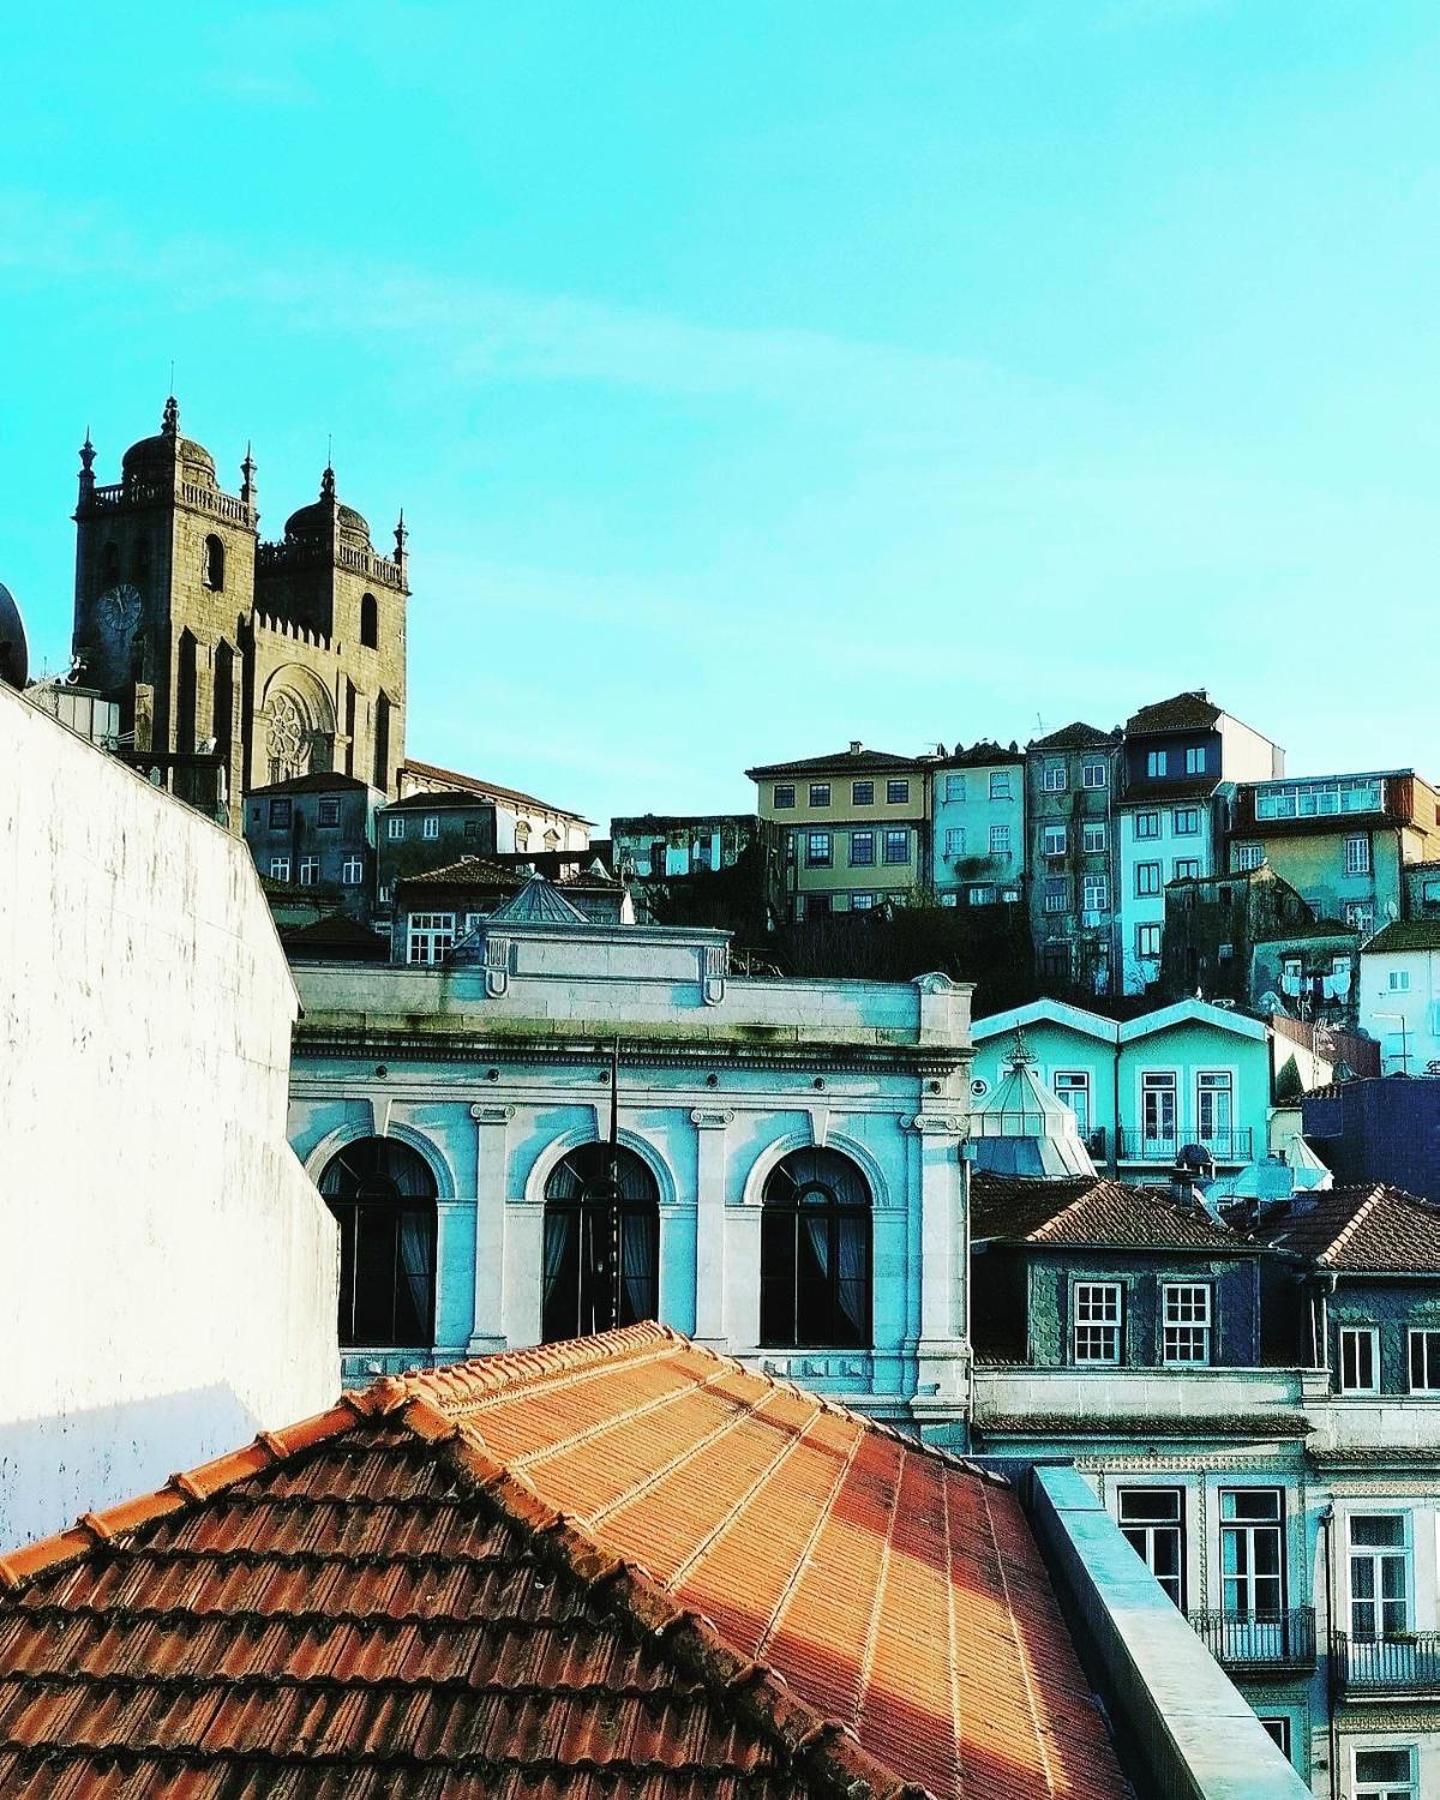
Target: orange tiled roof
623,1566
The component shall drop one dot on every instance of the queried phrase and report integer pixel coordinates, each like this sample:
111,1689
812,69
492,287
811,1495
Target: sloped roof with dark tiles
981,755
338,934
440,800
490,790
1405,934
1092,1211
1153,790
480,872
1076,736
843,762
1190,711
319,781
623,1566
1370,1229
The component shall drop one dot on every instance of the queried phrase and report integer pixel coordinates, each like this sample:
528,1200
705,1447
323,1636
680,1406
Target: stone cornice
455,1047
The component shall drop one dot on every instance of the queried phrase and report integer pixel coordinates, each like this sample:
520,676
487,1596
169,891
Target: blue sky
760,376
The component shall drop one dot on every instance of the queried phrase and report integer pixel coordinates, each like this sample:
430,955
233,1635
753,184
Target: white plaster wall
1383,1008
170,1271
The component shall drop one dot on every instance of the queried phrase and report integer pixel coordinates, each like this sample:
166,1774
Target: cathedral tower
164,584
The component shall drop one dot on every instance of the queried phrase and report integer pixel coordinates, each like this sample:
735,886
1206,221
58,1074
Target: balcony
1233,1144
1386,1666
1259,1643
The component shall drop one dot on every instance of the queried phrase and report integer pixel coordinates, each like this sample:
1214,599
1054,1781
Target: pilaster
942,1350
492,1129
711,1124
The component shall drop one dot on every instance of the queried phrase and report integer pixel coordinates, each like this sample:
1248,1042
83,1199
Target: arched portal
815,1253
382,1193
602,1242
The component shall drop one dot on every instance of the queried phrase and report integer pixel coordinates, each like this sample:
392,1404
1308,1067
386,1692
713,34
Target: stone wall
171,1273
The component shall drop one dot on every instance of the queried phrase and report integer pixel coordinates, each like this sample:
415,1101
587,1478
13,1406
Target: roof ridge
831,1748
190,1487
1352,1224
1039,1233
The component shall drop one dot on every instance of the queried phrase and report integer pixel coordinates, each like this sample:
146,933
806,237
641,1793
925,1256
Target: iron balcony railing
1278,1640
1230,1144
1406,1664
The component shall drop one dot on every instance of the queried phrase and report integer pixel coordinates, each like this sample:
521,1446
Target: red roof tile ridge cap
479,1377
1352,1224
1053,1222
842,1763
189,1487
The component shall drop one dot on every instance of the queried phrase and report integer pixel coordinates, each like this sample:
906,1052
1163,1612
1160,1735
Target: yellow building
854,825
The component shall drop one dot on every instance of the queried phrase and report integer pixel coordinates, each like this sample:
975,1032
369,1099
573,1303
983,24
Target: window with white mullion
1097,1322
1187,1323
1379,1569
1359,1359
1425,1362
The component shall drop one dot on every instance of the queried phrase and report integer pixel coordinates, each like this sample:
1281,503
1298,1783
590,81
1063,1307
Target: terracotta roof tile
451,780
622,1566
1193,710
1088,1210
1369,1230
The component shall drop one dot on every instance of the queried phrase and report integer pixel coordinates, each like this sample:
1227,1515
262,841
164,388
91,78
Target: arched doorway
382,1194
602,1242
815,1253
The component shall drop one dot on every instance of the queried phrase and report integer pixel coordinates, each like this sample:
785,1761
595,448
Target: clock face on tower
119,610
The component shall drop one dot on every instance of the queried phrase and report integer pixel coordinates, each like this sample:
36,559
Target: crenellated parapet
287,628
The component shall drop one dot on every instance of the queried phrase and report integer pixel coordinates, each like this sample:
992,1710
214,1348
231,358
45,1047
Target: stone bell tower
164,586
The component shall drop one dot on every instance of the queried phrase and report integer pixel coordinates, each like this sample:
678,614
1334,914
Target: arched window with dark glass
370,621
602,1243
214,563
383,1195
815,1253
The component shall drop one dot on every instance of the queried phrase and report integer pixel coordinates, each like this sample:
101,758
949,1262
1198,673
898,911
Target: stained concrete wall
170,1272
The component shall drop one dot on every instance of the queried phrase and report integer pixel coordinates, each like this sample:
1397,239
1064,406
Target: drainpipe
1114,1157
1327,1525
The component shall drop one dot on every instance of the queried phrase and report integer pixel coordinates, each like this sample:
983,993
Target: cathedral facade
261,660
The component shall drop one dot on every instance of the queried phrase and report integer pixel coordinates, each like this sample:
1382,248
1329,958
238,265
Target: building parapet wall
299,634
1180,1715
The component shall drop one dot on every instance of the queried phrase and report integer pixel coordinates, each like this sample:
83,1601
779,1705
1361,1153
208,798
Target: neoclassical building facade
567,1126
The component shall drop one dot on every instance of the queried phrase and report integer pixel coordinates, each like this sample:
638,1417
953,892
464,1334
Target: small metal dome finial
402,537
170,418
1020,1055
327,483
87,453
247,477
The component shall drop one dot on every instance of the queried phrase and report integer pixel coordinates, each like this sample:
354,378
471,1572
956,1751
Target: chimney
856,746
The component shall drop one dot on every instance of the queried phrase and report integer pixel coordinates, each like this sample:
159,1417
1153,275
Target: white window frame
279,868
813,858
1093,775
1055,897
1159,1081
982,894
1363,1788
1097,1319
1150,1527
1377,1555
1053,840
1215,1082
1000,788
1186,1324
395,828
1143,935
1429,1358
955,790
859,861
1358,860
888,861
1094,893
897,791
352,871
1250,1528
1092,837
431,827
1357,1334
1360,915
999,840
819,793
1399,981
1068,1085
1195,759
954,840
1157,763
428,936
309,871
1054,778
1245,856
862,902
1280,1727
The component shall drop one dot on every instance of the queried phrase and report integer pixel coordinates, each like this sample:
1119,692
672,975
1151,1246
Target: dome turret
160,454
316,519
1022,1129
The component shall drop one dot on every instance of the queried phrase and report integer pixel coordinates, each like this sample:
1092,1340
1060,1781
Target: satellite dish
14,659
